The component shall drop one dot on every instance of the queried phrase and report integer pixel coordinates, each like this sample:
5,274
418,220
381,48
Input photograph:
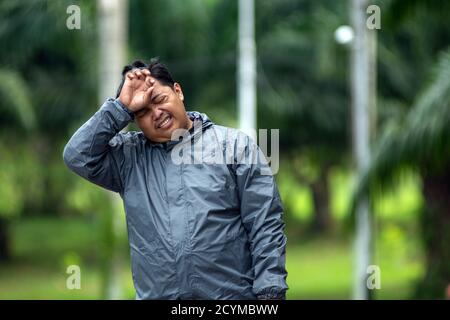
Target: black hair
157,69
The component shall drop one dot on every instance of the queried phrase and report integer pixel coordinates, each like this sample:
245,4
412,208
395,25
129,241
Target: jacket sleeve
262,216
90,152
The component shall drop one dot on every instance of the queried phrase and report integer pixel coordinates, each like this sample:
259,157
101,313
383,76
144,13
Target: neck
190,123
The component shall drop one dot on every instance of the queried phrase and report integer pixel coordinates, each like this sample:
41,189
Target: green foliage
47,87
298,60
11,201
421,141
49,69
15,100
21,178
436,240
86,198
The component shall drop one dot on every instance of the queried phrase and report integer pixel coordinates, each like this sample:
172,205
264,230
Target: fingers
140,74
136,74
149,81
146,72
148,94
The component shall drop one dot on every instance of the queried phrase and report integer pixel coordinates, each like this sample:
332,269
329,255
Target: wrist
124,107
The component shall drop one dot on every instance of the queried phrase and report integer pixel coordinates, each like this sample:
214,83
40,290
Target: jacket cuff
271,293
119,104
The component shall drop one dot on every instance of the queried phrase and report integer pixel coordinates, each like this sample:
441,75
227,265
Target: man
197,229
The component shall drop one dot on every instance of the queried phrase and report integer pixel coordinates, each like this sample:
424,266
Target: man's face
164,114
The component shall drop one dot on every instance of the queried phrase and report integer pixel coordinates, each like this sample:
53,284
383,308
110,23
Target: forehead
158,85
159,88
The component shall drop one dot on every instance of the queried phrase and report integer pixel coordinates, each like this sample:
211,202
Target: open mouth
165,122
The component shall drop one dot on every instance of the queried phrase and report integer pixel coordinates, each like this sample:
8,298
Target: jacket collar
201,122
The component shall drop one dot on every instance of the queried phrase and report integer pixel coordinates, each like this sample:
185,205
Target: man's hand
137,89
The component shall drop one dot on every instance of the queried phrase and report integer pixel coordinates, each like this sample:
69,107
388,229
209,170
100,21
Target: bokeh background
49,86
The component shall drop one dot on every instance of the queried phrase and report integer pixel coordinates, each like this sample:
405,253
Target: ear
178,91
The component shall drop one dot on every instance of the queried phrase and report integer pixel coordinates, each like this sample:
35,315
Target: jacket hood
197,116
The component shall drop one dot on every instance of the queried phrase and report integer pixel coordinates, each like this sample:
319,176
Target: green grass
43,248
322,269
317,268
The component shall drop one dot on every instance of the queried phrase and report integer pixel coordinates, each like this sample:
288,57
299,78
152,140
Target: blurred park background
50,83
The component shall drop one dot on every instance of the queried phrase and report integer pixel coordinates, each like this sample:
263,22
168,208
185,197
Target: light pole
363,92
247,67
363,95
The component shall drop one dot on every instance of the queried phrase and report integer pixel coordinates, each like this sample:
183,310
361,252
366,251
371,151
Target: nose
156,113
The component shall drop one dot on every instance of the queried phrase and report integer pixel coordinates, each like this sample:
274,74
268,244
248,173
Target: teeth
162,124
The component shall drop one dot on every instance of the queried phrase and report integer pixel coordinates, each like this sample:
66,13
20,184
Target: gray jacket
197,230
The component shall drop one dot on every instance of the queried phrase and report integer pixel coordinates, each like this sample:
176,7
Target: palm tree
421,142
302,81
17,110
39,76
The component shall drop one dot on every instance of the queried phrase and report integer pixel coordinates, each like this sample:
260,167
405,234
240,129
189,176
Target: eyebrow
154,97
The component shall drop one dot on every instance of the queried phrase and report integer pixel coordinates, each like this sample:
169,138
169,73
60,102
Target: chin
158,140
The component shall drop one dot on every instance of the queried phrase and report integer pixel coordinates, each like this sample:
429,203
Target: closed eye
159,99
141,113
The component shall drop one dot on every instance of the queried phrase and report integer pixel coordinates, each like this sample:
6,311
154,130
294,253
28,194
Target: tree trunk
322,220
436,235
113,31
5,253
